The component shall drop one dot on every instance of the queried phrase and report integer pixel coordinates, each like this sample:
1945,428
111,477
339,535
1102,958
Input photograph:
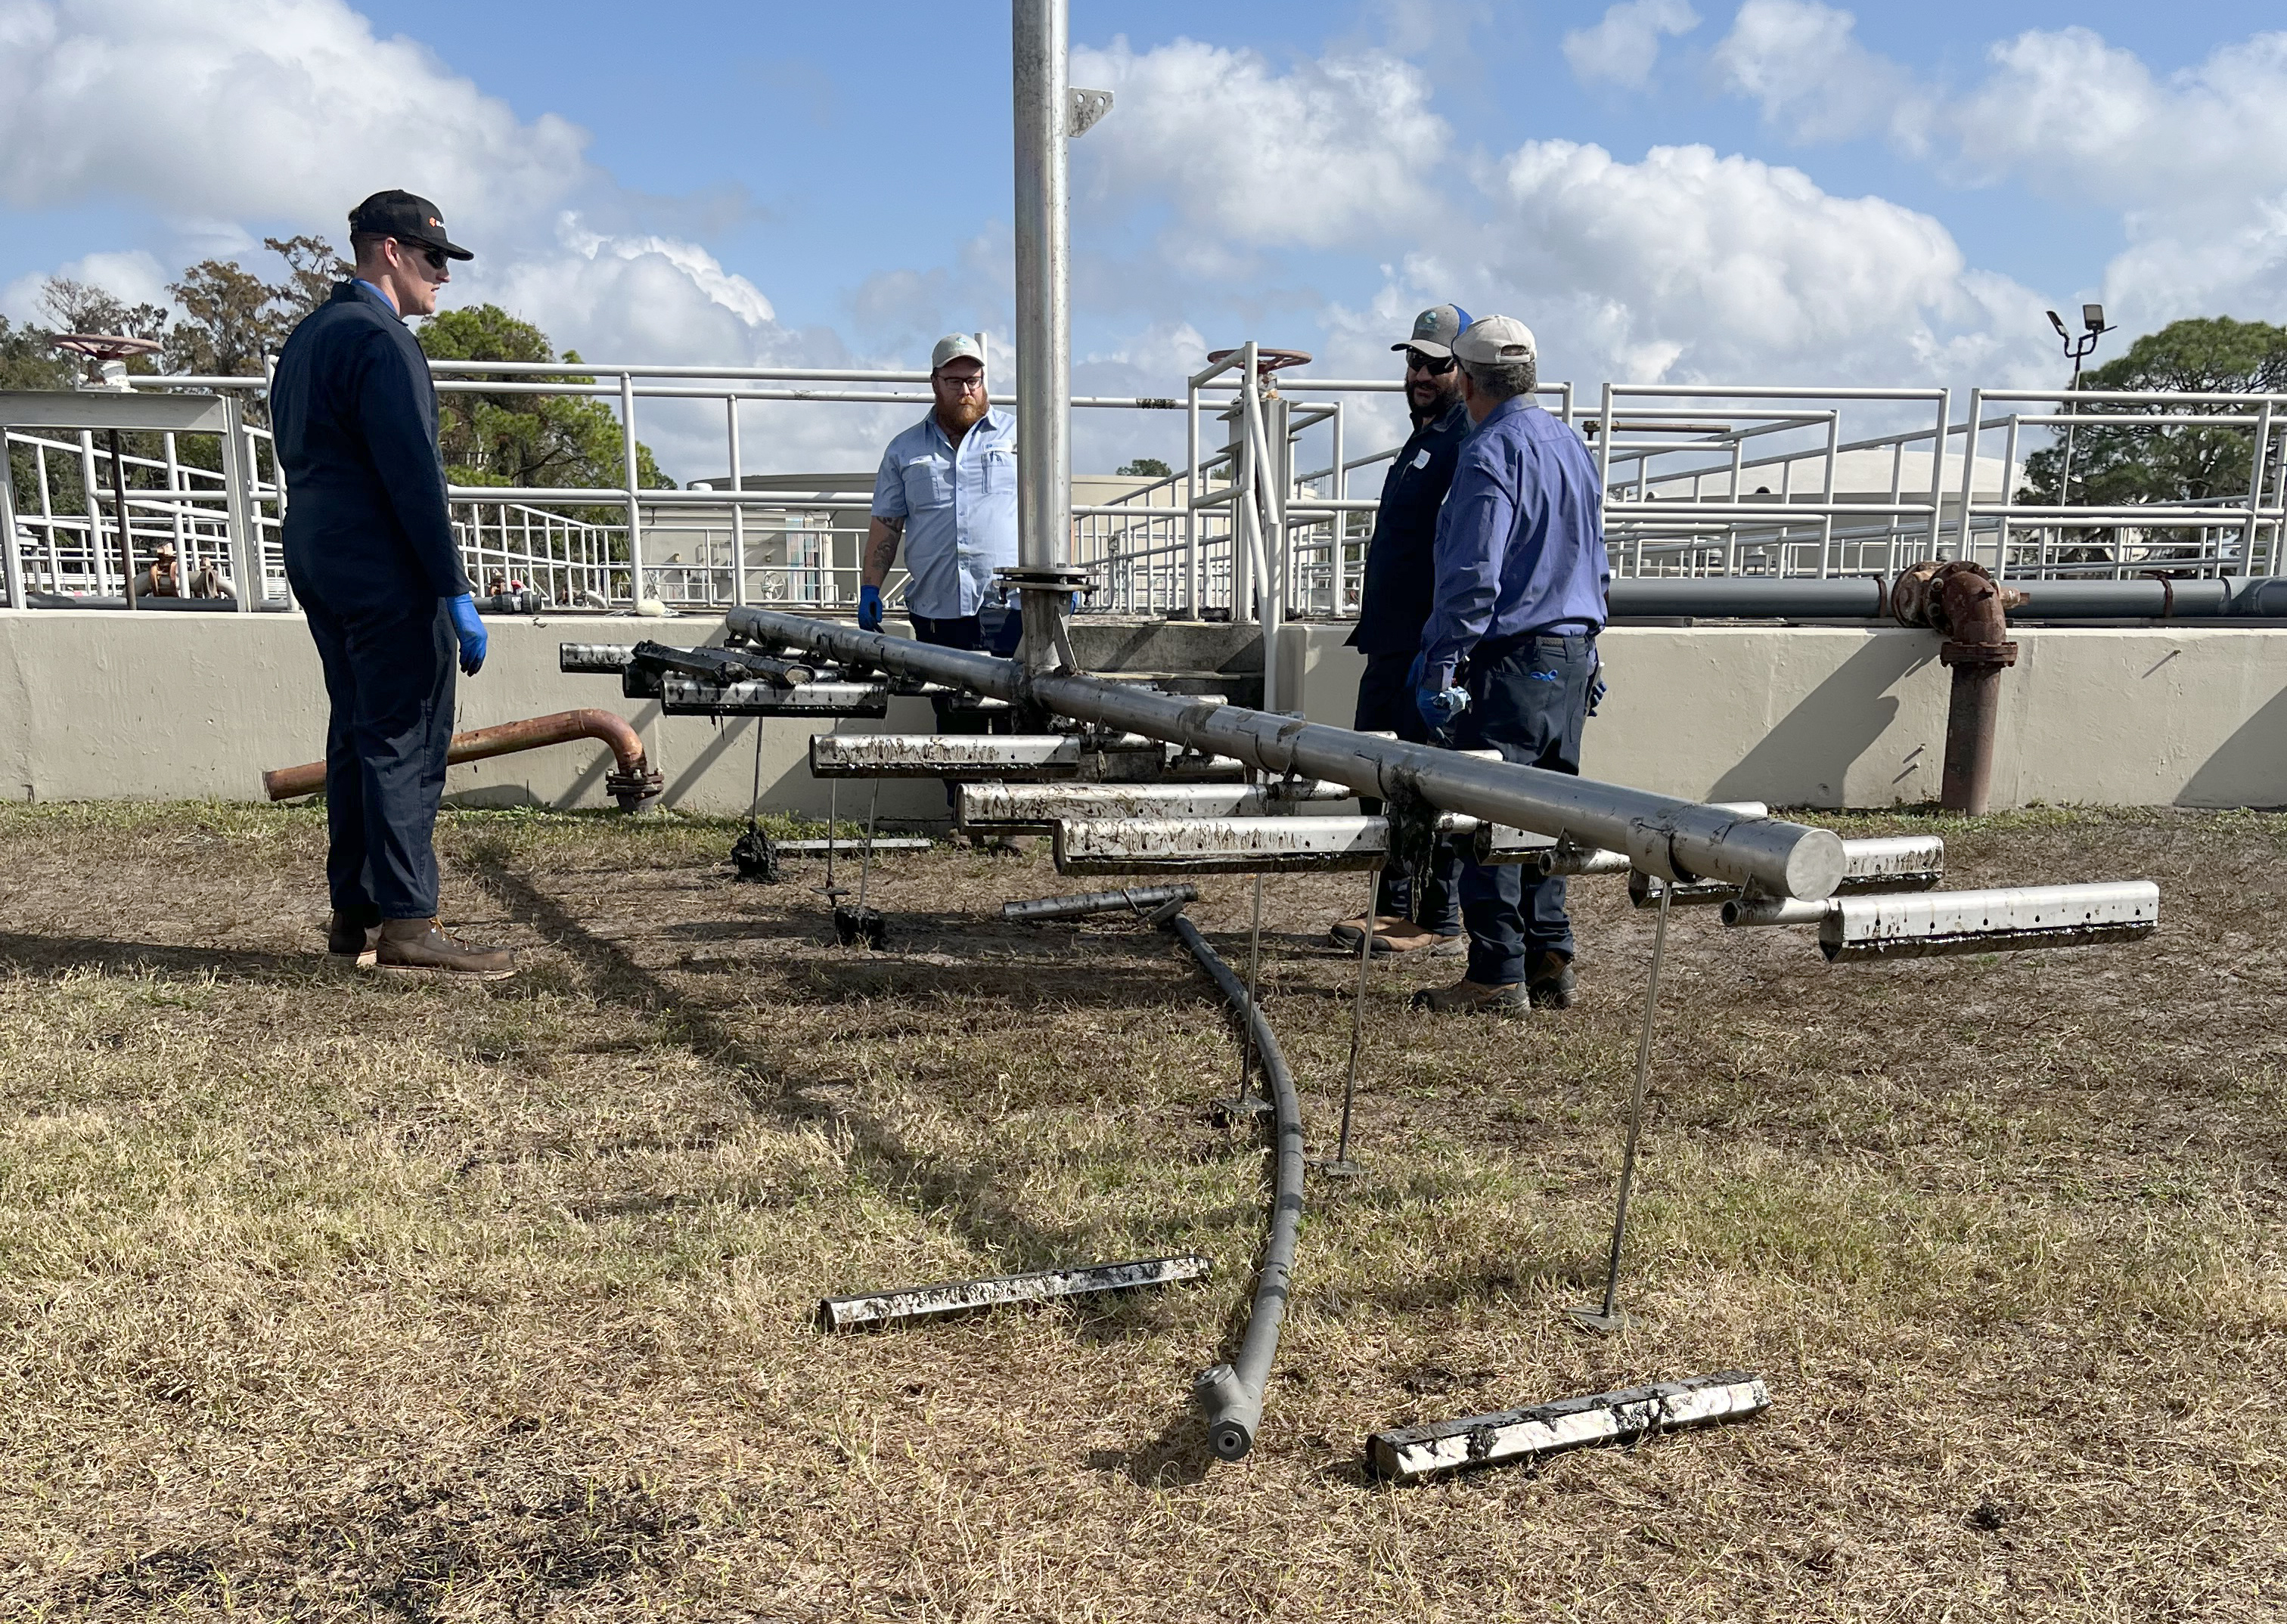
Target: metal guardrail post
738,509
2260,454
634,472
1969,470
1937,474
250,579
12,560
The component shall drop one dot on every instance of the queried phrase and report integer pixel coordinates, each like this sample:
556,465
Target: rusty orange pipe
633,783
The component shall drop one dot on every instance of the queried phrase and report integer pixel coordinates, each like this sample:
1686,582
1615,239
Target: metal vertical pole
1191,604
1040,45
126,527
738,511
48,517
245,536
1605,450
2254,494
1969,469
95,550
635,512
2008,498
1607,1317
1937,473
11,562
1826,493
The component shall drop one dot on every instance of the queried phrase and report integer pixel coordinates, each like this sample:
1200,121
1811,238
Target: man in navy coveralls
370,552
1393,603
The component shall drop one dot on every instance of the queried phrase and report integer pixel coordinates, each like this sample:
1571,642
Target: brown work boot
1468,998
1395,935
1549,981
345,938
420,947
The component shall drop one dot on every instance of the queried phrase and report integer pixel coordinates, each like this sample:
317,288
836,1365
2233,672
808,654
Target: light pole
2077,346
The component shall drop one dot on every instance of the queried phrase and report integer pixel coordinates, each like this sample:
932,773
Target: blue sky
1700,190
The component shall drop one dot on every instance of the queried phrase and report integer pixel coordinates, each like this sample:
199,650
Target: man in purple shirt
1522,575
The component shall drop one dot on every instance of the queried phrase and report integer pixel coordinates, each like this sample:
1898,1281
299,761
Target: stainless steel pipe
1039,46
1673,838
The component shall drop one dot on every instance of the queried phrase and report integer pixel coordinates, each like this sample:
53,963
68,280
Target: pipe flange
635,788
1999,656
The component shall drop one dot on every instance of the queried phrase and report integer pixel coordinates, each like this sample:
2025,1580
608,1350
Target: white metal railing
1698,480
69,546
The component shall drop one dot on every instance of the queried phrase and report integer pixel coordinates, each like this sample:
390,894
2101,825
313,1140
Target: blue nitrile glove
1434,698
470,628
869,609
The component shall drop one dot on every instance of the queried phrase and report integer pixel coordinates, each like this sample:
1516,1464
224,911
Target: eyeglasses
435,257
962,384
1437,366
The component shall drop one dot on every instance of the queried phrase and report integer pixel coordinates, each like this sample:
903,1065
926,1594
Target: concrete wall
1831,716
98,705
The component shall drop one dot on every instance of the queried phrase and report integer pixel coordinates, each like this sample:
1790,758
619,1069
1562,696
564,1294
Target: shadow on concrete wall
1806,755
2249,768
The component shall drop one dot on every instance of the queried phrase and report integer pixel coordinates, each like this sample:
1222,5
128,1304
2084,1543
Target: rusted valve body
1962,602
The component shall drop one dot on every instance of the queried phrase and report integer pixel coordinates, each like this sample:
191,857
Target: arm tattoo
881,546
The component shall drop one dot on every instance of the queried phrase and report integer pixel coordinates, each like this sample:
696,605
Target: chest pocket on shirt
929,483
1000,473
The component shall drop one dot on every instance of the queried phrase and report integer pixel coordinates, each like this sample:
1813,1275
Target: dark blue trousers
991,630
390,677
1528,699
1385,704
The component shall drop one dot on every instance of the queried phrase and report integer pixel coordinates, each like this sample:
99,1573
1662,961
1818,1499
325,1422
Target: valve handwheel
1266,361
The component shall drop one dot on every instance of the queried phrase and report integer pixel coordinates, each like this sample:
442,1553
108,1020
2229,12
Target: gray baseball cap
953,347
1434,329
1495,341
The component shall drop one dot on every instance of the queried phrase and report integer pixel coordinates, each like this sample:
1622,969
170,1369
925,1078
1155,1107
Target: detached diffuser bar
1408,1454
842,1313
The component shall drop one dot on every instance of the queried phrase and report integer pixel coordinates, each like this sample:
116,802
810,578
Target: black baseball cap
405,217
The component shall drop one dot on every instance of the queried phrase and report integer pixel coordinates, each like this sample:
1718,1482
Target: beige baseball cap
1495,341
954,347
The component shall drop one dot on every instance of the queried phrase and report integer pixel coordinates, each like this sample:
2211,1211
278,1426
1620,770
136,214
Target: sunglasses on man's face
1437,366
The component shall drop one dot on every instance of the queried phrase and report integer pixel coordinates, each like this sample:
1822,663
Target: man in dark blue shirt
371,556
1393,603
1521,581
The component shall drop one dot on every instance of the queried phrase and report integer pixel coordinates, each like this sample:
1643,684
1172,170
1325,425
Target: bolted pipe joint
1963,603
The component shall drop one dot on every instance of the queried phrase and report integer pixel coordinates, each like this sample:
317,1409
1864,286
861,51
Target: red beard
962,411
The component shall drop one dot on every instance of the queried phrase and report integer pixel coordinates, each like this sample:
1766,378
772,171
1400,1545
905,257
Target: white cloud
133,277
1693,266
2070,112
654,300
1622,48
1341,147
1803,62
257,109
2195,160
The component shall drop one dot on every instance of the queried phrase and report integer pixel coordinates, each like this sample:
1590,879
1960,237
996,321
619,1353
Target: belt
1496,648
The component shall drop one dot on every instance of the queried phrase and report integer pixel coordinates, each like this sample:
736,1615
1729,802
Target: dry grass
327,1297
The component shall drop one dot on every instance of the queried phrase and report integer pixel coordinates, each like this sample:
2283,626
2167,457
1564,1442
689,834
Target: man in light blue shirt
947,491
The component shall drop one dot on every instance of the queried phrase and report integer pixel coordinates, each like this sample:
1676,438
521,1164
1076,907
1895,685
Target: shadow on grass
1179,1457
965,1196
57,956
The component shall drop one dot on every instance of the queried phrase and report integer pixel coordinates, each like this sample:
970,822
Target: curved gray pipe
1231,1394
1661,834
